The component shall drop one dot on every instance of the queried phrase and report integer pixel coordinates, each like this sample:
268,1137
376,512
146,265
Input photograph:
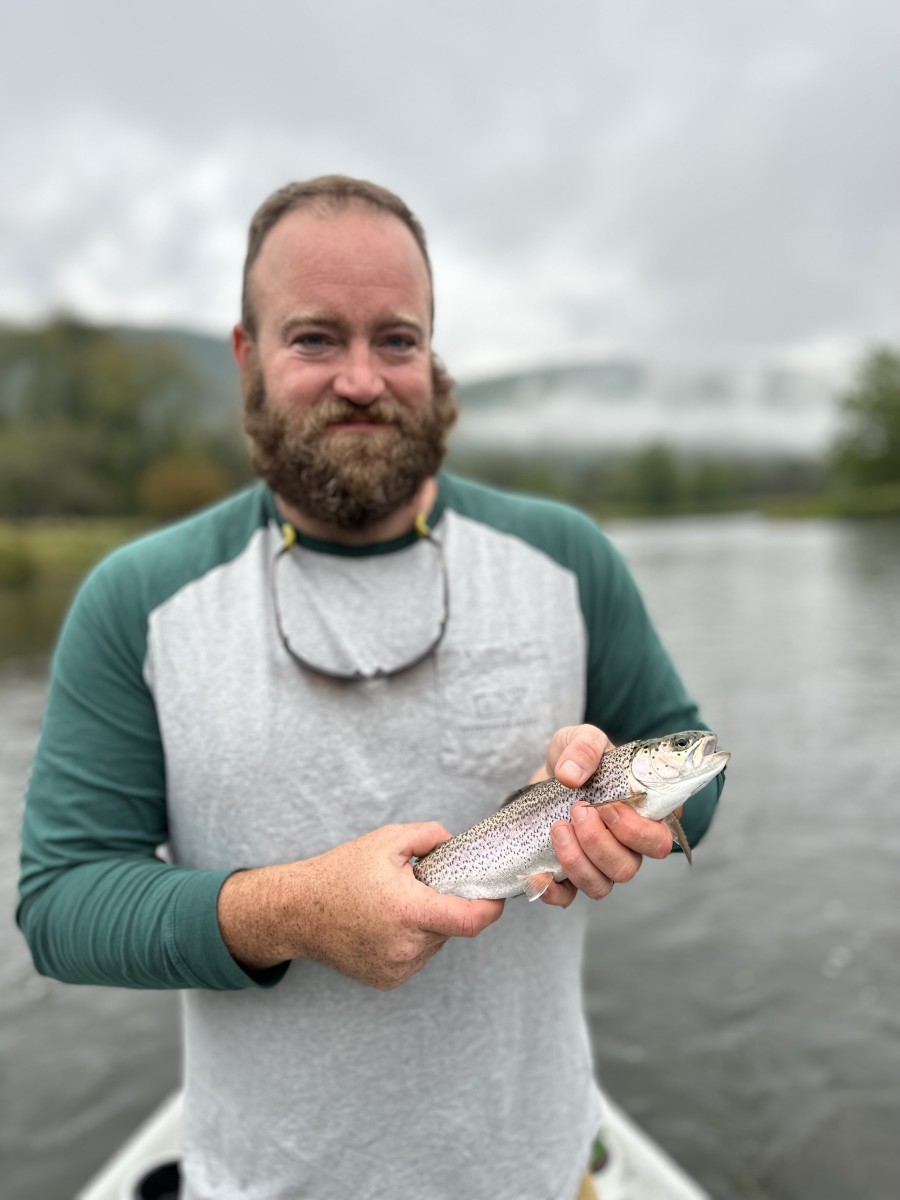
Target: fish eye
681,743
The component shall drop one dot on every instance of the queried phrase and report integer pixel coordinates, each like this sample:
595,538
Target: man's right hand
357,908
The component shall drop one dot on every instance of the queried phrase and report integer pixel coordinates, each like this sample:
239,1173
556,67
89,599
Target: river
745,1011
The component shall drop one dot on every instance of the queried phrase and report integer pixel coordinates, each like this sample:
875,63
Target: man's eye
310,341
400,341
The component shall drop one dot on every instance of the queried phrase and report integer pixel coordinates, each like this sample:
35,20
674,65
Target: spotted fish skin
510,852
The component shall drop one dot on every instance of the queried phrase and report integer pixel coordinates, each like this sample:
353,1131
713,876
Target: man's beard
346,479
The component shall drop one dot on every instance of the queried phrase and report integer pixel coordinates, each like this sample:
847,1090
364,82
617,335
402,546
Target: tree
655,479
84,412
178,484
867,451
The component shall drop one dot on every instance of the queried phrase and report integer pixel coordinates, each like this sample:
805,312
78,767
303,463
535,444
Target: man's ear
242,347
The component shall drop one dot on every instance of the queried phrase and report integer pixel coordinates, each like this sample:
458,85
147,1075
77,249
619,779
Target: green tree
710,485
867,450
84,411
655,479
178,484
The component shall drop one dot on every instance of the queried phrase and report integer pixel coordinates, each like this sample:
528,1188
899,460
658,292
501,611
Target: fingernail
579,813
563,834
573,770
610,815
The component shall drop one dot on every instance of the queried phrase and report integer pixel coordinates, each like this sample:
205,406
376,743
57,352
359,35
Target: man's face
346,409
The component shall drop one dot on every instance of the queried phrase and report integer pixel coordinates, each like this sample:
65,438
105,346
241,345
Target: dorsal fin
515,795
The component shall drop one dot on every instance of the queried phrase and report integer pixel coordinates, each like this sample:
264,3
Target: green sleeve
633,689
97,904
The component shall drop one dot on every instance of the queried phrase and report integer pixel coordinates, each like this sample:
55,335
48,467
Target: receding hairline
326,196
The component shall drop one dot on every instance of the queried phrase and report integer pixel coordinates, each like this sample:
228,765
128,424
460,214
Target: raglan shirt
182,742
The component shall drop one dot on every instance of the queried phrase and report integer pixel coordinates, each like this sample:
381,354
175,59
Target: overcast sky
708,178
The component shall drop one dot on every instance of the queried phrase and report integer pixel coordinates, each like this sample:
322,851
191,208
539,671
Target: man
300,690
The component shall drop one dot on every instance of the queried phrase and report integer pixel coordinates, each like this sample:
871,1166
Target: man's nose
359,379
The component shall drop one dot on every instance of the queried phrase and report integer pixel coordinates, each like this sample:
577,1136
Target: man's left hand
598,846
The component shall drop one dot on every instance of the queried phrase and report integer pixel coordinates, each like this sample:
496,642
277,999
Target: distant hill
616,404
702,409
210,359
698,409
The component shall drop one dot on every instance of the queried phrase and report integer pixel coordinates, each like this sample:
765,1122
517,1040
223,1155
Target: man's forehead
351,244
313,230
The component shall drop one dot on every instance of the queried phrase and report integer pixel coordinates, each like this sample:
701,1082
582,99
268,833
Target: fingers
645,837
560,894
448,917
420,838
360,910
451,916
574,753
603,846
390,973
582,866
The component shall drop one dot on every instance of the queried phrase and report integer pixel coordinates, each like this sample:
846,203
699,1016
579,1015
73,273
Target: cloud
642,176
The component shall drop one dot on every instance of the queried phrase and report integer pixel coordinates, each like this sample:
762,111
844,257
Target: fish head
671,768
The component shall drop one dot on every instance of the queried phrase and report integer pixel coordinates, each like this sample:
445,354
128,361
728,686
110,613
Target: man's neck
395,525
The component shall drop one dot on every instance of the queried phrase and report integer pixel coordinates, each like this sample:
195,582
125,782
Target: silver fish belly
510,852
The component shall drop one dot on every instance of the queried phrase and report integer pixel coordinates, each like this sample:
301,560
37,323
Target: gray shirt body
474,1079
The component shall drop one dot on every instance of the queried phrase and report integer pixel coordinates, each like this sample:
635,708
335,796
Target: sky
708,179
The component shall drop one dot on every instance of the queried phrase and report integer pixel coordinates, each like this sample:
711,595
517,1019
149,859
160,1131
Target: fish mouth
708,745
707,753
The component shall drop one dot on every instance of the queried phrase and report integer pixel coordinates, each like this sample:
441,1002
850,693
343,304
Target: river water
745,1011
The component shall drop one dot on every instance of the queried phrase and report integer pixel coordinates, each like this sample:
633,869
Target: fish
510,852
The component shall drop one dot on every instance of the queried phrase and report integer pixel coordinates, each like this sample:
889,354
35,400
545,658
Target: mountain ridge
619,402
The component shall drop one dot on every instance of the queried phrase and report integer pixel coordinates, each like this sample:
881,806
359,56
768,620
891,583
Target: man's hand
598,846
357,908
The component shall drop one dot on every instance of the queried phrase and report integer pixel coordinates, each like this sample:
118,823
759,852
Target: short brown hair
324,194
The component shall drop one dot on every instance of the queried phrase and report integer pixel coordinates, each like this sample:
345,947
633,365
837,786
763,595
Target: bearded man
305,687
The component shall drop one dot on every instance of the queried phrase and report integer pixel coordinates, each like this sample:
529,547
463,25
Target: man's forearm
130,923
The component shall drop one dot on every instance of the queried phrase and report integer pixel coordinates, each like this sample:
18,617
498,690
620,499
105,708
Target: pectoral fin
633,798
675,825
535,885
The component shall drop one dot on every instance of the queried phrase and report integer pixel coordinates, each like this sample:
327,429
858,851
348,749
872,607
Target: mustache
333,410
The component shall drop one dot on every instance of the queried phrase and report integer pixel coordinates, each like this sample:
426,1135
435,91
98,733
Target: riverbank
881,500
42,548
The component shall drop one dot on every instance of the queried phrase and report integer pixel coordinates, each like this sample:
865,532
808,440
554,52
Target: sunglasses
289,542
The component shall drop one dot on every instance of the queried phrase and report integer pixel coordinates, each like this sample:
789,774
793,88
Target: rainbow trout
510,852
